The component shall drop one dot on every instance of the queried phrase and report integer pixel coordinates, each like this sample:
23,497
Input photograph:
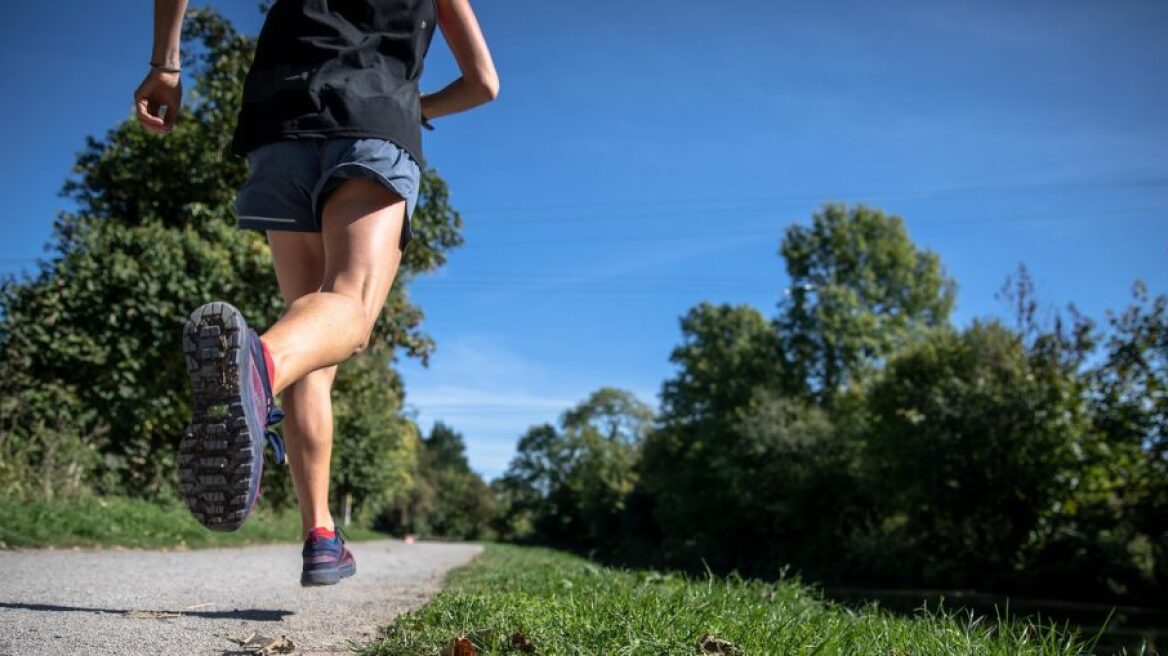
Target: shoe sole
218,454
326,576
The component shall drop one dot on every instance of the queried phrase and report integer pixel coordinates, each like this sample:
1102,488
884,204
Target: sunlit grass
561,604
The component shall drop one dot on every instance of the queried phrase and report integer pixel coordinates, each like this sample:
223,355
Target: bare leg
362,226
308,434
321,276
308,424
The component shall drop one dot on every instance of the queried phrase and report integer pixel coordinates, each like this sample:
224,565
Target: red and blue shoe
221,457
326,558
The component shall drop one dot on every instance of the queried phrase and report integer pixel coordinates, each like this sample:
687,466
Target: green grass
565,605
120,522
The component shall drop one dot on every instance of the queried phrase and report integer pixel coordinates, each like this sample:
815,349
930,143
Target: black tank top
337,68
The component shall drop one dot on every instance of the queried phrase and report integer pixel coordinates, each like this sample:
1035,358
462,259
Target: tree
463,505
1129,402
604,434
153,237
726,353
860,290
525,489
972,441
569,487
446,449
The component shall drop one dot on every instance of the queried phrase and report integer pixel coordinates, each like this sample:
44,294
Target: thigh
361,228
298,258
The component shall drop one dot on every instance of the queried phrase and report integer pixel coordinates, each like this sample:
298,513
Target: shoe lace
275,414
277,443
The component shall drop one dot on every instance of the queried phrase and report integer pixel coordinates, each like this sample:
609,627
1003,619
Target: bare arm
161,88
479,83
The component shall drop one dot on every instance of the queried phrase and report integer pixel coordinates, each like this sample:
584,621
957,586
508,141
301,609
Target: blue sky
646,156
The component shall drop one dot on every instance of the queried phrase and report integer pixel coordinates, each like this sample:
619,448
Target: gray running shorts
288,181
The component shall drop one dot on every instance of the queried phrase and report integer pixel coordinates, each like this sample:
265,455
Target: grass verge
120,522
515,600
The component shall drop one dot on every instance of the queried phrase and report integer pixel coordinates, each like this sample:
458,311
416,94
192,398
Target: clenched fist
159,89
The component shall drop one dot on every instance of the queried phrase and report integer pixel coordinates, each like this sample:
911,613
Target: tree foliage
973,442
448,499
375,449
859,291
570,486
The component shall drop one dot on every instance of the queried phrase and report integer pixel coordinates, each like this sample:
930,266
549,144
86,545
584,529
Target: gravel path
193,602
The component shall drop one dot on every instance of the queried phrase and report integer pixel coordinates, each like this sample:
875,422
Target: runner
331,127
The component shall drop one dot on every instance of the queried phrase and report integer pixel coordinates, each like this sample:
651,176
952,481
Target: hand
156,90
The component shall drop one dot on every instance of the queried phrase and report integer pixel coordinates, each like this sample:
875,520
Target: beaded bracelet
165,69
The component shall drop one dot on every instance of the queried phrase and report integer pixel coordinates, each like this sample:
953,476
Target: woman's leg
335,285
308,422
361,231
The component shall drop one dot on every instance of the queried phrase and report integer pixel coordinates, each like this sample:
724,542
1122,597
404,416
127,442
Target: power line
776,232
768,201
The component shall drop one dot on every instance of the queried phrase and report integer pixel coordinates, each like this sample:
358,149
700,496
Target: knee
366,335
357,319
365,317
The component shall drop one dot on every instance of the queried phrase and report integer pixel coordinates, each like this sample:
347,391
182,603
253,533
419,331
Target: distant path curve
193,602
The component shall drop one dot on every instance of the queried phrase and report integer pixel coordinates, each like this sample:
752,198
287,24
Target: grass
560,604
121,522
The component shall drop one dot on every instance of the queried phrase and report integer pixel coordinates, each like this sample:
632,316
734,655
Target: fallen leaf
520,642
460,646
713,645
258,644
281,645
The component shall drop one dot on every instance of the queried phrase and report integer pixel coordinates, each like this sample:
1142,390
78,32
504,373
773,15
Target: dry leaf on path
258,644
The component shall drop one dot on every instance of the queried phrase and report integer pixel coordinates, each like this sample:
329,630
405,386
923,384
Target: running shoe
221,457
326,558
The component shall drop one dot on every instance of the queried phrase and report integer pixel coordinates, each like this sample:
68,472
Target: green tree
463,506
102,324
726,353
860,291
604,434
570,486
972,441
1129,401
741,472
524,491
152,237
446,449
